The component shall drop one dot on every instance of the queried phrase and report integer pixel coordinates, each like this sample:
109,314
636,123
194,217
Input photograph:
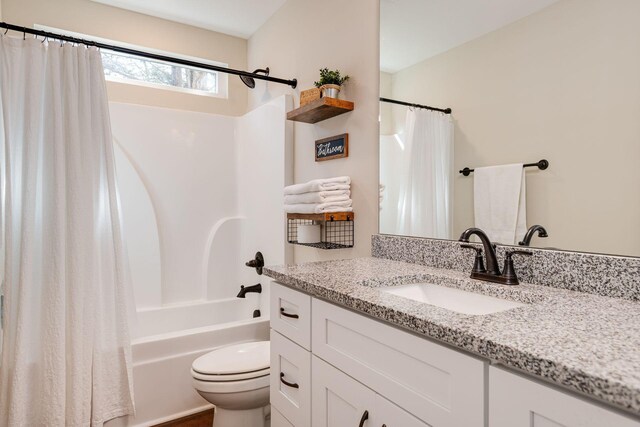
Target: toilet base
240,418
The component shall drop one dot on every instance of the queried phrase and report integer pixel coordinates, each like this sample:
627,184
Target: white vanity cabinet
330,366
359,364
516,401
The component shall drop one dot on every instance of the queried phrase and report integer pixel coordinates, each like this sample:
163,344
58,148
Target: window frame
223,78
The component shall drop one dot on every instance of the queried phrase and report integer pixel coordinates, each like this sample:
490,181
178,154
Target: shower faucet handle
257,262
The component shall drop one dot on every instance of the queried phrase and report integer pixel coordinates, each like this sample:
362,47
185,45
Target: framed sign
334,147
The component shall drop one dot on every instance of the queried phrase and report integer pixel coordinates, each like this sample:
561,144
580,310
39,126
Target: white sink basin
453,299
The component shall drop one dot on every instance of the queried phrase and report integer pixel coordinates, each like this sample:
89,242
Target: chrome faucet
492,272
542,232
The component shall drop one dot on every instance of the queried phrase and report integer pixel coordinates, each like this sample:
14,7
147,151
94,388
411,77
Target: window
124,68
131,69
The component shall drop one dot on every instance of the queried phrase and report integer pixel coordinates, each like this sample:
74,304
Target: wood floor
201,419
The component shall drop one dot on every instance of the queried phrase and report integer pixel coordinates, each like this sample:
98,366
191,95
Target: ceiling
240,18
410,30
414,30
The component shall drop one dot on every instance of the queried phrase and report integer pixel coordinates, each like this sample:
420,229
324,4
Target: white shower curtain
424,205
66,349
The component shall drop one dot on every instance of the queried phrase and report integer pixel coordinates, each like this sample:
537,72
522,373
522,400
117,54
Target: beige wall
96,19
296,42
563,84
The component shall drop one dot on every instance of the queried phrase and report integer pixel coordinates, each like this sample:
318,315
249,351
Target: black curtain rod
542,165
408,104
25,30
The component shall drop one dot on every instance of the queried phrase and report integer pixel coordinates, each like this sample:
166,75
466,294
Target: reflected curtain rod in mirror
408,104
542,165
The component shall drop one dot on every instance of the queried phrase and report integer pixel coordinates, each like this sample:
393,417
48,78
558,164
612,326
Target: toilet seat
231,386
229,377
238,367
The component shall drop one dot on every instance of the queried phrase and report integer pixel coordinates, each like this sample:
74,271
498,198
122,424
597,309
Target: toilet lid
234,359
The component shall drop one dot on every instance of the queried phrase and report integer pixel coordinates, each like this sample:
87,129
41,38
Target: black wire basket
336,229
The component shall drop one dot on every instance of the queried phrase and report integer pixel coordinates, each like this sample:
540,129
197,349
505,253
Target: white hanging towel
326,184
317,197
500,202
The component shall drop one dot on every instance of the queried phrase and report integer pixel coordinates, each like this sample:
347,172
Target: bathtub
169,339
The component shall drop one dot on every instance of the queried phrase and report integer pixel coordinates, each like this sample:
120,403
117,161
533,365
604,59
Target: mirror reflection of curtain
425,200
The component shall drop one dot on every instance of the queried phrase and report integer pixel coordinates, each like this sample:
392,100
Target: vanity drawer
290,380
291,314
441,387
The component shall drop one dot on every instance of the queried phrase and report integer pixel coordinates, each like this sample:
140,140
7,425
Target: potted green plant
330,82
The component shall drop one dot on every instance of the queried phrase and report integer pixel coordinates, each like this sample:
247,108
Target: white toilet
236,380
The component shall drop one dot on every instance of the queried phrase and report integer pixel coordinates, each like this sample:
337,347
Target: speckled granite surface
607,275
584,342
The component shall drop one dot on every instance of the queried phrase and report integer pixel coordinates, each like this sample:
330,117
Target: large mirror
526,80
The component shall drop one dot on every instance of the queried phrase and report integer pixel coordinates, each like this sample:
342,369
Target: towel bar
542,165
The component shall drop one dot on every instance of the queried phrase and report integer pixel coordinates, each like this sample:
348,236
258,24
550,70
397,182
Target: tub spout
244,290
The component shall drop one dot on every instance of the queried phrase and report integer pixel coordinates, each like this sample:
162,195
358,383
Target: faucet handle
508,254
478,263
257,262
509,272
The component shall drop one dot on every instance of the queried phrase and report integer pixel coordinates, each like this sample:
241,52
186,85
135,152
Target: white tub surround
196,190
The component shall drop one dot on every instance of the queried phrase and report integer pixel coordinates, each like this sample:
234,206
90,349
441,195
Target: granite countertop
584,342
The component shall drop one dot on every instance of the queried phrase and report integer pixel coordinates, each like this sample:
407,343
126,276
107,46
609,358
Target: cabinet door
338,399
515,401
290,379
440,386
388,414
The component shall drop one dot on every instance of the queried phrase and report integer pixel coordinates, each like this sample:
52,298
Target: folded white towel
326,184
310,208
317,197
499,194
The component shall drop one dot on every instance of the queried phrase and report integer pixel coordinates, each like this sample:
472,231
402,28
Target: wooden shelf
328,216
320,109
